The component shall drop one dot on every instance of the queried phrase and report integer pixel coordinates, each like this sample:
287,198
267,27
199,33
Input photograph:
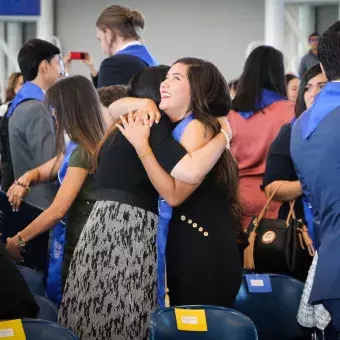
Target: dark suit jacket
118,70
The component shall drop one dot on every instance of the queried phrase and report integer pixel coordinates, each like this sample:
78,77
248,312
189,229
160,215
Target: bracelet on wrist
227,138
144,154
23,186
22,242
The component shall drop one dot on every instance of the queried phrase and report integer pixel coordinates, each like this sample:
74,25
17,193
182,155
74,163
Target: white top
3,109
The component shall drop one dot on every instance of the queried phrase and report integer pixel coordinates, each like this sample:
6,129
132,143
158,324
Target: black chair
222,323
36,254
34,280
16,298
48,311
275,313
46,330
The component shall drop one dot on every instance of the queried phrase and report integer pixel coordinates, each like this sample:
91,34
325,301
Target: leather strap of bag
291,214
305,240
266,206
303,235
249,251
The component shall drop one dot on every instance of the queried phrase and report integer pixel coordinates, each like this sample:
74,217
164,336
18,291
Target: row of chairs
46,325
266,316
274,313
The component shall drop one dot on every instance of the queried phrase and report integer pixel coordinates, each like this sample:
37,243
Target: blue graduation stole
325,102
307,209
268,98
27,92
54,276
165,214
141,52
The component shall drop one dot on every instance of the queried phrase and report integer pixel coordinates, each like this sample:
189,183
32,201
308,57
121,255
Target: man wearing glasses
311,58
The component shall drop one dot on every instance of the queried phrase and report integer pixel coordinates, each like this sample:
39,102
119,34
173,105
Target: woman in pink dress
260,108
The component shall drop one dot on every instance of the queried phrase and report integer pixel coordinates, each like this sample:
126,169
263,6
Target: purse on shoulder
279,246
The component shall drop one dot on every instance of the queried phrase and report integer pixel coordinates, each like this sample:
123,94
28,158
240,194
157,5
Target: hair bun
136,18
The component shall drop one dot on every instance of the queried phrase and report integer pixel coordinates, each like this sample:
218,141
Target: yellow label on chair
192,320
12,330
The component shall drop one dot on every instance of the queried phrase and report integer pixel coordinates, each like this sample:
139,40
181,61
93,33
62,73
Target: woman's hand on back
150,108
153,116
123,105
136,129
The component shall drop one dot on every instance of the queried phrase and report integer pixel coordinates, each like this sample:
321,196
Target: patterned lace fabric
312,315
111,289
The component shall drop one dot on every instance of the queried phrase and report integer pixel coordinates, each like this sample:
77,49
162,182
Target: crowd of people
150,175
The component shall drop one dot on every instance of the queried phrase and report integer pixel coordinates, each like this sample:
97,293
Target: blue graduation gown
315,150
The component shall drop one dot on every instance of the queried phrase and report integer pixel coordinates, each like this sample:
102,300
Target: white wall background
217,30
325,17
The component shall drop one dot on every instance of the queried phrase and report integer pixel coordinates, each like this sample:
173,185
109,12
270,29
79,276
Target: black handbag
279,246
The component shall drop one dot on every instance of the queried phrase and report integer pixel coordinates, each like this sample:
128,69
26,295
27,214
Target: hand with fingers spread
20,188
14,249
136,129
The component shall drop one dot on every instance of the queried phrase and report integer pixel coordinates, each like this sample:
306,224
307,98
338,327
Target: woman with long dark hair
279,167
77,112
111,287
202,259
260,108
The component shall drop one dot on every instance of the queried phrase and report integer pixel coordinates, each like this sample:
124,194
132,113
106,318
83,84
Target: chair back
43,330
274,313
222,324
34,280
48,311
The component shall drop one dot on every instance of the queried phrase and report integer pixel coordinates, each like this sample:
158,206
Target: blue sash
325,102
54,276
307,208
27,92
165,213
268,98
141,52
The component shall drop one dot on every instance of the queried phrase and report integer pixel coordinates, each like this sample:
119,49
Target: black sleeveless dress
203,260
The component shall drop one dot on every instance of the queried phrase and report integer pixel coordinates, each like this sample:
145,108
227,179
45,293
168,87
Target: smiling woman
112,294
206,215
